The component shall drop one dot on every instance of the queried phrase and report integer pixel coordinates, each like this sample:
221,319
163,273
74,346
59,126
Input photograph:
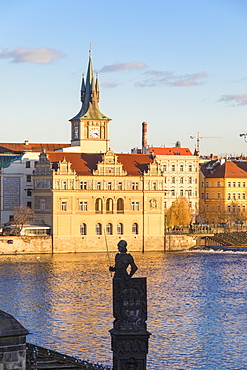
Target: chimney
144,137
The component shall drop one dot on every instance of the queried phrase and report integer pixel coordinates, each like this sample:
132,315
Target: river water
197,306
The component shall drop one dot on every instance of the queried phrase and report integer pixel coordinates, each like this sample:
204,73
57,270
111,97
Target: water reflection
197,309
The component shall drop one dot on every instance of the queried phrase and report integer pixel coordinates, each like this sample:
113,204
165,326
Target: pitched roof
228,169
29,147
169,151
85,163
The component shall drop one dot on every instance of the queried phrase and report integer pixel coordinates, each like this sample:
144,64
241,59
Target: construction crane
198,138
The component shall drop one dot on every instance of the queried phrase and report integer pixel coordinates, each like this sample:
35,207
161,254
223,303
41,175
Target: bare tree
22,216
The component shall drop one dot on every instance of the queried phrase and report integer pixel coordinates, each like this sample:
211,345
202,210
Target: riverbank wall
46,244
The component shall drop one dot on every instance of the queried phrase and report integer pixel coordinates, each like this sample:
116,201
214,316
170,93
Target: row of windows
230,208
109,206
230,184
233,196
182,192
180,167
109,229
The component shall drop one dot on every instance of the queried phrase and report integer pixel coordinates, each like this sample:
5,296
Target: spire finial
90,50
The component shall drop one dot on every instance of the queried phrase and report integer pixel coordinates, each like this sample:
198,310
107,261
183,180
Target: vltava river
197,306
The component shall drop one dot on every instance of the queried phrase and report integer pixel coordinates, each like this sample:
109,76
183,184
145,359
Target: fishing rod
107,251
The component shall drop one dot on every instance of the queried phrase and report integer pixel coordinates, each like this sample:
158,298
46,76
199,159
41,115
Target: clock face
94,133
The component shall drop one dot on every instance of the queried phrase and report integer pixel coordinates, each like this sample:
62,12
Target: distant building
223,191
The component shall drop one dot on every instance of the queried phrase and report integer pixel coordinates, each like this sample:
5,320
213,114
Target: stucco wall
25,244
63,244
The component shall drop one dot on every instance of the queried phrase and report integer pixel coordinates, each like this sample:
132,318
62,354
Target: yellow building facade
223,192
90,200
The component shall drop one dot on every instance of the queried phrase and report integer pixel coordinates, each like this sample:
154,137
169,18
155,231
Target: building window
190,167
173,180
202,195
206,195
181,192
164,167
154,186
29,192
229,196
109,186
42,205
99,205
190,181
239,184
189,192
83,229
64,185
109,229
98,185
29,204
243,195
229,184
234,196
135,206
218,195
207,184
120,229
181,180
98,229
135,228
64,206
234,184
120,205
239,196
243,184
29,178
173,167
218,184
83,206
173,193
134,185
120,186
83,185
109,205
181,167
28,164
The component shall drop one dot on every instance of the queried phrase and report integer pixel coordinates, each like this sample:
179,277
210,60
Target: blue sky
180,65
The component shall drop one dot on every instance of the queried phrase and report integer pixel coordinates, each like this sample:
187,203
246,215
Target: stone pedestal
129,336
12,343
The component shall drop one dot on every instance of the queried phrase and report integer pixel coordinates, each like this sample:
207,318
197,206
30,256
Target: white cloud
109,85
234,100
160,78
31,55
123,67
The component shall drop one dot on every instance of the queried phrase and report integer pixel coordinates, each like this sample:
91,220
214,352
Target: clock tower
90,127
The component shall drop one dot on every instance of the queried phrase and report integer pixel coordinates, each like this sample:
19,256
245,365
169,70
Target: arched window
109,205
120,205
109,229
135,228
99,205
83,229
98,229
120,228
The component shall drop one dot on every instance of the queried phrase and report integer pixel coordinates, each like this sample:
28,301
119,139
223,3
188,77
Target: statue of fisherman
122,261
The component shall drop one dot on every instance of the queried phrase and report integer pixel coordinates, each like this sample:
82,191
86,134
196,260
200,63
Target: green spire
90,95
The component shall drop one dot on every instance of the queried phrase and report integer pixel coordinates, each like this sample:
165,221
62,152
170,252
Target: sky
179,65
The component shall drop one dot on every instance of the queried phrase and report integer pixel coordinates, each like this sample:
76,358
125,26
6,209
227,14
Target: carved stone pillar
129,336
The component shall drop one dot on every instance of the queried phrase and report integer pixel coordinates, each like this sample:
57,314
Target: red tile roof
169,151
84,163
229,169
29,147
